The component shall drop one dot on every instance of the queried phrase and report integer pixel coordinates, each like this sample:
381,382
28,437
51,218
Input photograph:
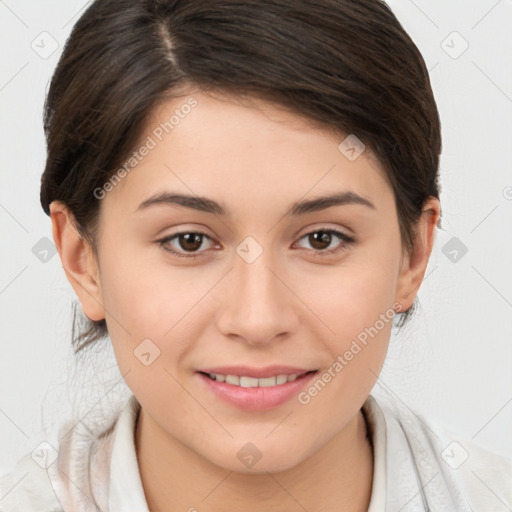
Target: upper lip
268,371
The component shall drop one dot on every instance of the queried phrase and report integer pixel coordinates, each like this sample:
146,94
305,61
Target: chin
252,461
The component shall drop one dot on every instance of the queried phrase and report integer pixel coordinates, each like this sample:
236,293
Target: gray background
451,365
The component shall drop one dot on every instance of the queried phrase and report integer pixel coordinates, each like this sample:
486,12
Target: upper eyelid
343,231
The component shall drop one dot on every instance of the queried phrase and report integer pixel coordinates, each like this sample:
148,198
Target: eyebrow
204,204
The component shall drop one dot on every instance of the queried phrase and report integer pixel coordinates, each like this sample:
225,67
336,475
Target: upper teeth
253,382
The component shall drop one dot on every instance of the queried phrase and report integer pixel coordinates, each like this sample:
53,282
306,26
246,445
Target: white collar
126,493
377,430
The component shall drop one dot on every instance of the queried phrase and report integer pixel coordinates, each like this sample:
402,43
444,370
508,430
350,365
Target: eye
190,241
321,239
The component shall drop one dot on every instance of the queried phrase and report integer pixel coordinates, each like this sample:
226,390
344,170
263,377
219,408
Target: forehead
244,150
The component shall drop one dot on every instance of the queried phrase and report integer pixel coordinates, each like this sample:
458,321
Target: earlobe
414,264
78,261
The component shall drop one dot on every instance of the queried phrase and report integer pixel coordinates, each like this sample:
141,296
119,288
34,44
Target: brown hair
347,64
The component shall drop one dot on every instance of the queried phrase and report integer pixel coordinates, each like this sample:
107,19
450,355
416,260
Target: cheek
145,293
354,306
147,300
132,300
353,296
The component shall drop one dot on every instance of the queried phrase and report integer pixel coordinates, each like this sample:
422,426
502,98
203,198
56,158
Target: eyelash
347,240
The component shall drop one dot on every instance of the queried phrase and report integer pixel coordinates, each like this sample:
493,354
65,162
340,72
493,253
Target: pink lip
268,371
256,399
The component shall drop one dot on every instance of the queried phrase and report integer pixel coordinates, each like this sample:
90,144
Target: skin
289,306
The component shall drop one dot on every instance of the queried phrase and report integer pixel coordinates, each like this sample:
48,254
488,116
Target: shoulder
57,480
484,477
445,463
28,487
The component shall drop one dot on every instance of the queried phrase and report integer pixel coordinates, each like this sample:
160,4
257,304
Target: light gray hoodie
417,467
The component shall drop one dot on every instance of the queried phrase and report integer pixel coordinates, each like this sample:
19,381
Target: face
250,281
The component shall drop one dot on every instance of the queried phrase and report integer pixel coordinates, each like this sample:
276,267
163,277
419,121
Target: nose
258,305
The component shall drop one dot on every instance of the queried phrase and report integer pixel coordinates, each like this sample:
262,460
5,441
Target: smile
253,382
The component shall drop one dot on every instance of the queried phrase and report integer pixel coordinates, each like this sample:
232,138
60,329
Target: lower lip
258,398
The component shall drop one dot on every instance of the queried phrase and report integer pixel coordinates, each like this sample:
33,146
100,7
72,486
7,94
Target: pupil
191,241
322,237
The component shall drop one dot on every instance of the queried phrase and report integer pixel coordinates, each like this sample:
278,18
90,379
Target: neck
175,478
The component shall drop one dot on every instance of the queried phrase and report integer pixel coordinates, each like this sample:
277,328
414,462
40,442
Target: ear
414,264
78,261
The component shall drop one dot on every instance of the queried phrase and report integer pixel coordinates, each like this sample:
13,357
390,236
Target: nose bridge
258,305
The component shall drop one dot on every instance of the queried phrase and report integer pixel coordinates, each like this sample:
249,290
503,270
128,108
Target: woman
244,197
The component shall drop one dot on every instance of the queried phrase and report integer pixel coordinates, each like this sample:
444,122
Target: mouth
244,381
254,392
